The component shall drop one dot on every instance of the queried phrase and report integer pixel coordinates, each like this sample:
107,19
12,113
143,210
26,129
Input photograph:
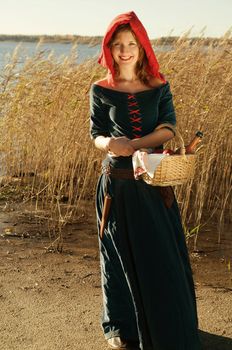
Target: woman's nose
123,49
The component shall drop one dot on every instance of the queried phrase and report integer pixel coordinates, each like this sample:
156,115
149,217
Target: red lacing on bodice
135,116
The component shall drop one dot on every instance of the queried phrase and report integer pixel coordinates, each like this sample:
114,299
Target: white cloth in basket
146,163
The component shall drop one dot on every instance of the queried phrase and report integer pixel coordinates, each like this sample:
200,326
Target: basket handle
181,142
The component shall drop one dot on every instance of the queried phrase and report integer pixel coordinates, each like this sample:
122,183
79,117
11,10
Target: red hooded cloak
105,58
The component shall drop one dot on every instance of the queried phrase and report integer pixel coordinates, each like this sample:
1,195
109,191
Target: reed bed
45,141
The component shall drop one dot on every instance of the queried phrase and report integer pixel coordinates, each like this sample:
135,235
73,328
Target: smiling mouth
125,58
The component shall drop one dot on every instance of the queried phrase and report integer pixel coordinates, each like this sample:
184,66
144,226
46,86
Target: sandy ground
52,301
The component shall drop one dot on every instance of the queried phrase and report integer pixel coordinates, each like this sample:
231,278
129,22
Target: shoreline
96,40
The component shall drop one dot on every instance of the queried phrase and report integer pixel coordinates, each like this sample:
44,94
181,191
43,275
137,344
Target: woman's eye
132,44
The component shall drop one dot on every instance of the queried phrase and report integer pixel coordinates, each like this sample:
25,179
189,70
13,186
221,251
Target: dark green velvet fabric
109,110
147,284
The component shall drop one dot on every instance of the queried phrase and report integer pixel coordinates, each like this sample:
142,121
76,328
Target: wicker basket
174,169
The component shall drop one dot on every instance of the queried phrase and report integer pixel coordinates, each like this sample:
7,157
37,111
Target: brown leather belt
167,193
126,174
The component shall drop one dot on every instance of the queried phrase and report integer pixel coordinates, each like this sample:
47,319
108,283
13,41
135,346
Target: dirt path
52,301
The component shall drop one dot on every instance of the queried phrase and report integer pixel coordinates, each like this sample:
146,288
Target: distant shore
95,40
61,39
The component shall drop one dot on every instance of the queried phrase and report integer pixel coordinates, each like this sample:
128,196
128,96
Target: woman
148,291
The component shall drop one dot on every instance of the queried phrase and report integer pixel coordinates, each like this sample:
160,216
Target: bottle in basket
191,147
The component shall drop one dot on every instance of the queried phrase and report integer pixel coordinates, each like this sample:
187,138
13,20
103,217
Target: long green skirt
147,284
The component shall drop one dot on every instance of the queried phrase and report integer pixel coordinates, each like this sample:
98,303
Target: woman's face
124,49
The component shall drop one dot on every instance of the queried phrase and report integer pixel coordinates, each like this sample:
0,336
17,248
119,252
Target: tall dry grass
44,130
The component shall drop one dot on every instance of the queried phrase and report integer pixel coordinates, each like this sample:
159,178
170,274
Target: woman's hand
120,146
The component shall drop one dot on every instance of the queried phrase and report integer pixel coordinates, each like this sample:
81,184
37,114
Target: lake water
59,50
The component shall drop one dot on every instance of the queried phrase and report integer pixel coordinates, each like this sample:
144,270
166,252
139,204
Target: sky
92,17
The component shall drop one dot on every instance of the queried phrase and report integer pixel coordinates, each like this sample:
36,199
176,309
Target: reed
44,130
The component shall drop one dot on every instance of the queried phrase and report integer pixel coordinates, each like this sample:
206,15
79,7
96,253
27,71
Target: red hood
105,58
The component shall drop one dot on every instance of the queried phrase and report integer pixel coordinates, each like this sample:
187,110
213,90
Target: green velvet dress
147,284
